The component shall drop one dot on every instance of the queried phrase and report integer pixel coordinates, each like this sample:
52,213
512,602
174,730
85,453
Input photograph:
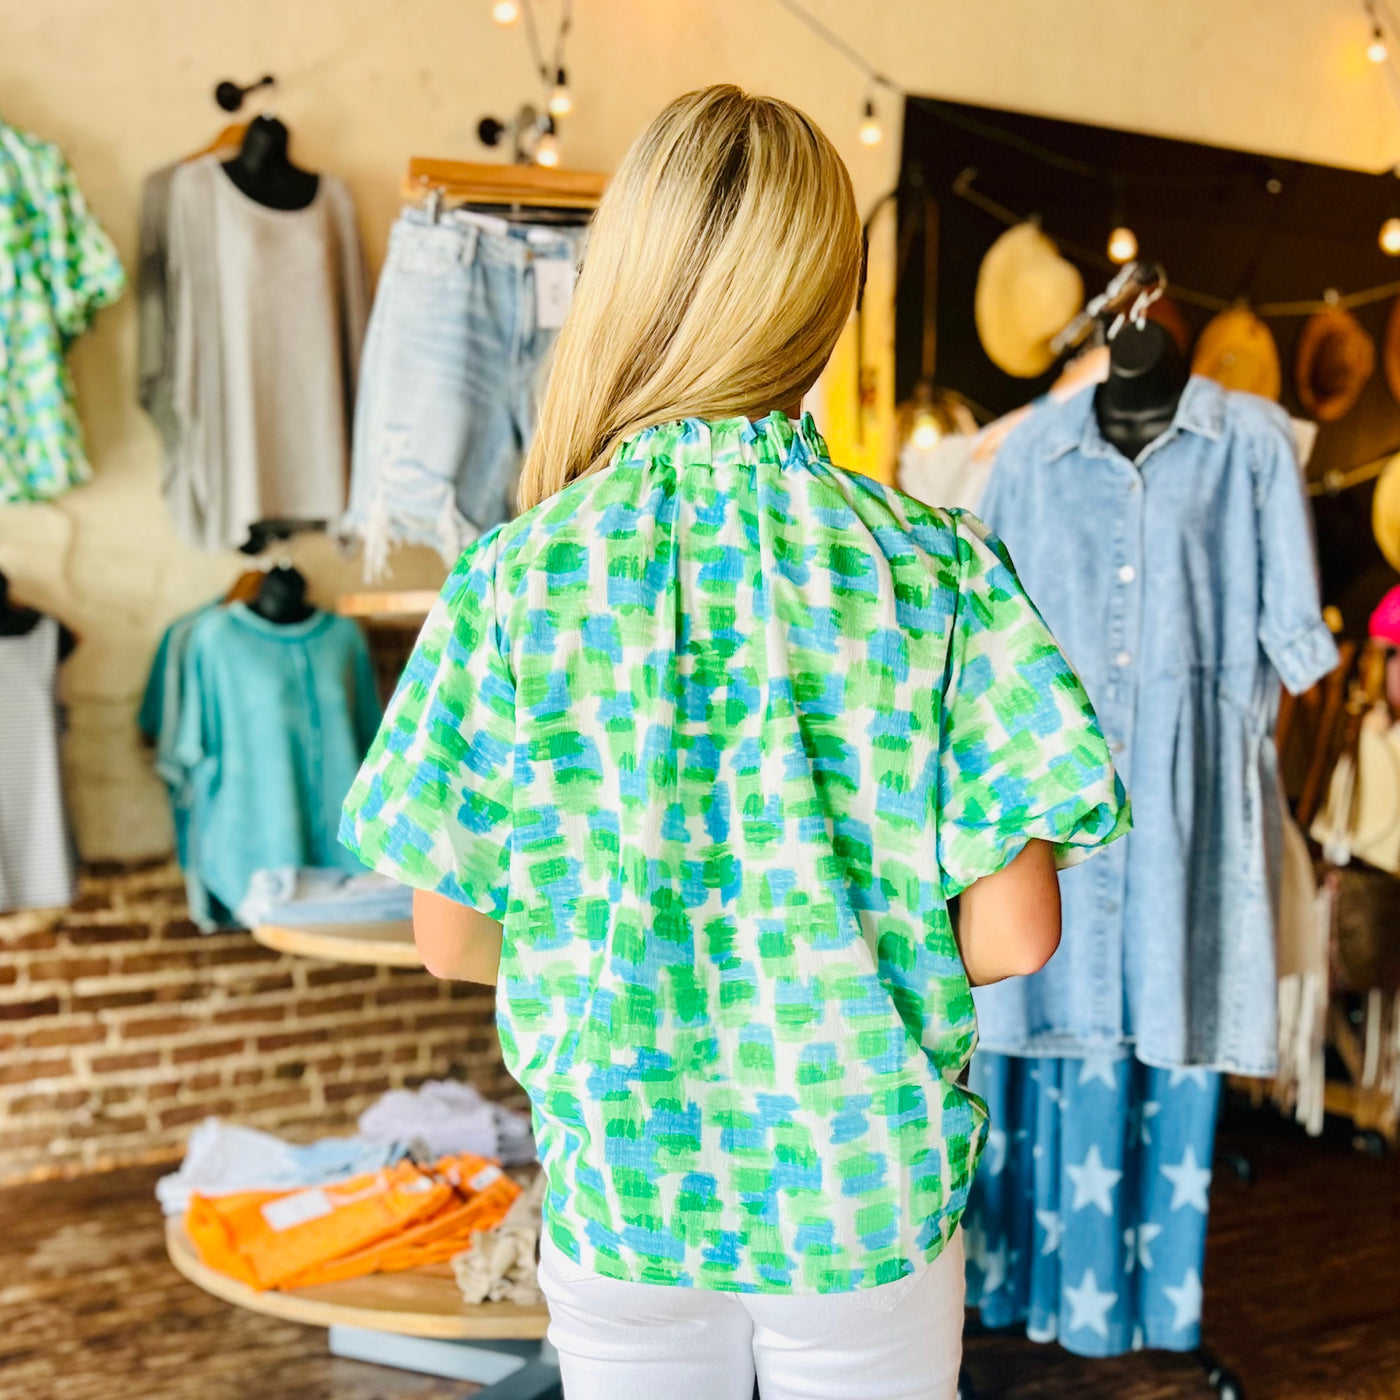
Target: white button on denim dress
1182,587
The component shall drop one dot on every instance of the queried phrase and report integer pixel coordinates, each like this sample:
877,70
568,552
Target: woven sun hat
1385,512
1335,360
1026,293
1237,350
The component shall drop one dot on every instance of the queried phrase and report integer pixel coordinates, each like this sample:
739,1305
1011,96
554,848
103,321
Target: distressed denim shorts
450,377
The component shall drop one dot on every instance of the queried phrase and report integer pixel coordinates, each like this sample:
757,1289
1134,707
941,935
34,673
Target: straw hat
1237,350
1335,359
1385,512
1026,293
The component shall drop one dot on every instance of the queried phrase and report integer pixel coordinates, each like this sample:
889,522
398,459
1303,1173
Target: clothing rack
1330,715
525,186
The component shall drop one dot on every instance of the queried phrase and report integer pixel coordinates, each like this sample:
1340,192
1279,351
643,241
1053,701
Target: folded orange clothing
431,1241
364,1224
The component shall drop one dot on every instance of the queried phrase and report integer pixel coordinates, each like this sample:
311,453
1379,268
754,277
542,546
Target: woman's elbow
455,943
438,935
435,956
1035,948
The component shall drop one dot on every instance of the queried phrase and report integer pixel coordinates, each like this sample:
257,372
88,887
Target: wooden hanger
475,182
229,139
245,587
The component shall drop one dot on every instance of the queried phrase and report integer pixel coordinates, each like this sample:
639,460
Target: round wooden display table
380,944
416,1303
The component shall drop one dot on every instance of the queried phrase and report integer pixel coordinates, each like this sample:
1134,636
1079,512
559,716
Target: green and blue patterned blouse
717,733
57,268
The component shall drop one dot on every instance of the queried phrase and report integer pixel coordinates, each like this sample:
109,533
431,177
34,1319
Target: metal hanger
1127,298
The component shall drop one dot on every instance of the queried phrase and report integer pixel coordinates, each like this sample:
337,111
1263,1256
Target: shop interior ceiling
1224,222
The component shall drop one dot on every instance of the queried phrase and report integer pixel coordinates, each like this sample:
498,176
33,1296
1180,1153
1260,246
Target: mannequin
282,597
263,171
16,621
1135,405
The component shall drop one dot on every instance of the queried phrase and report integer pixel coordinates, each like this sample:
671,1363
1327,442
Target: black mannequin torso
16,621
282,598
262,170
1146,376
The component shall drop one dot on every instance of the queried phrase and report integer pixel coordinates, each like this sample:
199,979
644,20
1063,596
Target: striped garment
717,732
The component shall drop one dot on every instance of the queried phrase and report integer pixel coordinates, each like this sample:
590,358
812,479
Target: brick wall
121,1025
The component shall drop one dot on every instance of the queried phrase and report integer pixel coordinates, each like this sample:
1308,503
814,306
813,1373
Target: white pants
641,1341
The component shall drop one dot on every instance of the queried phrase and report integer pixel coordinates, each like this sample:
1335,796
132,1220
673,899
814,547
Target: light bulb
560,103
547,150
1122,244
1376,50
926,432
871,132
1390,237
505,11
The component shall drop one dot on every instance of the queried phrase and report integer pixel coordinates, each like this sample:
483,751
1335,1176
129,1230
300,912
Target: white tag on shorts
298,1209
554,290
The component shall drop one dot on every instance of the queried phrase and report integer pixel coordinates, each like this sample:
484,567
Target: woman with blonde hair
690,760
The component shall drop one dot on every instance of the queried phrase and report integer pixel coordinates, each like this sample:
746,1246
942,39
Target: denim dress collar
1200,410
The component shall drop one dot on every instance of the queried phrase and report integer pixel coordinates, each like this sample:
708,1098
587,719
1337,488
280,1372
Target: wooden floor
1302,1300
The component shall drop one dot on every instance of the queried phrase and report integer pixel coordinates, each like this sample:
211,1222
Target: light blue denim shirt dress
1182,587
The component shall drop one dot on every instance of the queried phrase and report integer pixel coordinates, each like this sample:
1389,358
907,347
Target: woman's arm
1009,923
455,943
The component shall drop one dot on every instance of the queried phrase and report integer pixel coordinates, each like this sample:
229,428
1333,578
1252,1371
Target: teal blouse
274,720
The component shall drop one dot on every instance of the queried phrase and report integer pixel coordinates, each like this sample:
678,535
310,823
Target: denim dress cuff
1305,657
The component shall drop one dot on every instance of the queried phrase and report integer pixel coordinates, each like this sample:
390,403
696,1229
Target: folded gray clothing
444,1117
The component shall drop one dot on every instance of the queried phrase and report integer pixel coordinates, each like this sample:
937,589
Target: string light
871,132
1122,244
1390,237
560,101
505,11
927,433
1377,50
547,150
932,414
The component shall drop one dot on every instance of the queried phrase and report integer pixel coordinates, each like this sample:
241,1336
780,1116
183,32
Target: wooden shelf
416,1303
388,605
387,944
480,182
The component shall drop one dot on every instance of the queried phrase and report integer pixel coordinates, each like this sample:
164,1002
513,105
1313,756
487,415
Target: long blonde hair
722,265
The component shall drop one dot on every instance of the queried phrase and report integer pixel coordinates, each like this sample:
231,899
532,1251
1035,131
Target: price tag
297,1210
554,290
484,1178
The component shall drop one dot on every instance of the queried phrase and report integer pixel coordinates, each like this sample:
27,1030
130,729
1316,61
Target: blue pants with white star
1087,1216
